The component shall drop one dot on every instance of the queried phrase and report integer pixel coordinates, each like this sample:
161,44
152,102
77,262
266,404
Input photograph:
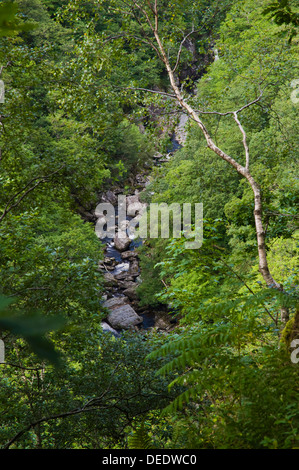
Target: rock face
122,315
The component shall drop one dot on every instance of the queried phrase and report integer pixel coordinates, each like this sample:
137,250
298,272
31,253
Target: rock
109,329
109,196
132,199
134,268
122,243
131,293
120,268
158,155
161,324
126,284
134,205
140,179
123,317
110,280
141,128
136,208
101,222
129,254
124,275
115,302
110,268
163,321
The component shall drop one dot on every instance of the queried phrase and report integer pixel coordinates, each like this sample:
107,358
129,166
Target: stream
121,262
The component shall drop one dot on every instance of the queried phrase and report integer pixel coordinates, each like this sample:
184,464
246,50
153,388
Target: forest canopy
92,99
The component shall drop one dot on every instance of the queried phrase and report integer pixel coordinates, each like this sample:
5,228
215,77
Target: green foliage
140,438
282,13
10,25
70,127
107,379
32,328
231,369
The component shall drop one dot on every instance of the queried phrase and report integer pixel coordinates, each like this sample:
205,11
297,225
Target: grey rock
109,329
129,254
124,276
123,317
126,284
110,280
122,243
134,268
131,293
109,196
136,208
134,205
115,302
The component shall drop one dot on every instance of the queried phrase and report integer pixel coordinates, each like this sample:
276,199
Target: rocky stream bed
120,265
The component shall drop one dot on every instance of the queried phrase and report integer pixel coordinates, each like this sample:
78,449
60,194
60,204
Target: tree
154,30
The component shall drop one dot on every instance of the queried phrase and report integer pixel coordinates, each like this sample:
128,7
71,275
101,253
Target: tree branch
148,90
40,180
244,140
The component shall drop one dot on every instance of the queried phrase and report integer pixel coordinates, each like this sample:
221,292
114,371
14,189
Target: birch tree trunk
153,23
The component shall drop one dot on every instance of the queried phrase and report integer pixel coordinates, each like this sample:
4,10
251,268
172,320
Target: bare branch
145,14
244,140
180,49
233,112
148,90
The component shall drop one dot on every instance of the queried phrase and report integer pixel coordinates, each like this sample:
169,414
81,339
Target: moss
286,333
295,327
291,330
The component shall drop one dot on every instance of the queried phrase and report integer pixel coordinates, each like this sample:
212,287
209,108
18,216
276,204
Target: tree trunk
244,171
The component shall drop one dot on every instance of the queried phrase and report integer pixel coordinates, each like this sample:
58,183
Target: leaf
32,327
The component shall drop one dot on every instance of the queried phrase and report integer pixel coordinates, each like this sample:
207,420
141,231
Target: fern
140,439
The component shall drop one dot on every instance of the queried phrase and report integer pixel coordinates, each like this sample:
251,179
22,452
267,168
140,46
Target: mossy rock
291,330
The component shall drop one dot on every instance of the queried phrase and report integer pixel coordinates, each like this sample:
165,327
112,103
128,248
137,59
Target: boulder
110,268
163,321
126,284
122,243
136,208
124,276
110,280
109,329
131,293
134,205
134,268
115,302
129,254
109,196
123,317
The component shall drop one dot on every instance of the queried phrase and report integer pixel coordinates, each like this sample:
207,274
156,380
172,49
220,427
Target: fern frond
140,439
